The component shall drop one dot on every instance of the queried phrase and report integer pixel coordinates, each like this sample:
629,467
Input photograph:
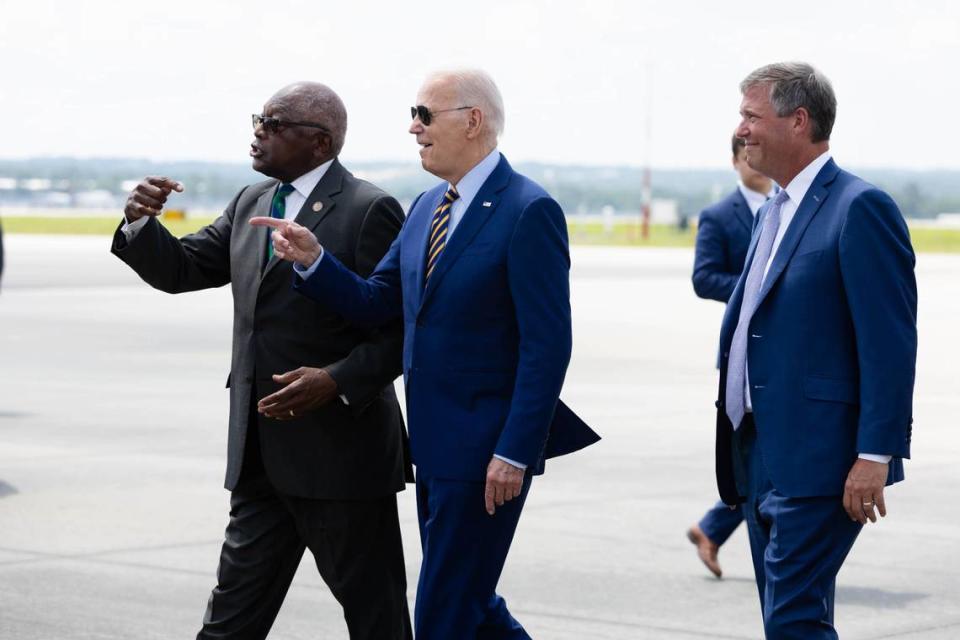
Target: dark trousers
464,550
798,546
719,522
356,545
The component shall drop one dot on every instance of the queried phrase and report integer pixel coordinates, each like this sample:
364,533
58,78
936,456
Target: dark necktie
278,210
439,229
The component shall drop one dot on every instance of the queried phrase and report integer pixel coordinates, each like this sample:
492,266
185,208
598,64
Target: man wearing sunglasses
480,276
316,439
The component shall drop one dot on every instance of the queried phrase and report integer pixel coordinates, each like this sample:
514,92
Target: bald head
315,102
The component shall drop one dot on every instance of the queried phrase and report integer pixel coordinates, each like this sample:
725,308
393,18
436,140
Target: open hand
306,388
291,241
864,491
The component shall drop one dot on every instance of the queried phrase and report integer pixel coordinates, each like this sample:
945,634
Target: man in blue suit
480,276
819,346
723,235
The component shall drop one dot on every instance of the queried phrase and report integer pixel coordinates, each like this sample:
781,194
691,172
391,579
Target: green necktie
278,210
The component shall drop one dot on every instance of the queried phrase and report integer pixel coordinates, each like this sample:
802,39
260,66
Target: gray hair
476,88
794,85
319,103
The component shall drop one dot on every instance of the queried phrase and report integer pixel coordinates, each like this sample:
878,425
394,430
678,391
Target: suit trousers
355,543
719,522
798,546
464,550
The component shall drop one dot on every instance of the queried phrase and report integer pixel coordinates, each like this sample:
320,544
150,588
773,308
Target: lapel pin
486,203
317,206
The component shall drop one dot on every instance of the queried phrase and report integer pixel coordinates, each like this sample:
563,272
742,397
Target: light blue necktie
737,364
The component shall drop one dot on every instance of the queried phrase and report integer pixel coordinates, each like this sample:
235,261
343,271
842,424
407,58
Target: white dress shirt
797,190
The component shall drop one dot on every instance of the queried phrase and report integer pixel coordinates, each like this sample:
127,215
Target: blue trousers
464,550
798,546
720,521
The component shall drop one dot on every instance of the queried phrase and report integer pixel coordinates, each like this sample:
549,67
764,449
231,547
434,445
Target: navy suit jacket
832,345
488,340
723,236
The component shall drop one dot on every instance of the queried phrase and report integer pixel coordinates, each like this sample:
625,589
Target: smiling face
292,151
769,139
446,145
750,177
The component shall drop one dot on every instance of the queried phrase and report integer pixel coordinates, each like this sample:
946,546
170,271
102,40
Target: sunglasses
426,116
275,125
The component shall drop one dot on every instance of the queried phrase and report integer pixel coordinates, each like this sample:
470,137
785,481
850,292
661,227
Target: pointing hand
291,241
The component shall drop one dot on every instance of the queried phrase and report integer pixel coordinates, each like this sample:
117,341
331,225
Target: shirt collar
754,199
800,184
470,184
305,184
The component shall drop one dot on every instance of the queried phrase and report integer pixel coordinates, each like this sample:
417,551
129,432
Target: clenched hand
148,197
504,482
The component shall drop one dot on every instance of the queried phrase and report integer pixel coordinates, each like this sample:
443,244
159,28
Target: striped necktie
439,230
278,210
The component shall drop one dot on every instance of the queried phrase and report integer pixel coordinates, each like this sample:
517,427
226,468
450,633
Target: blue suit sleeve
710,276
367,302
538,271
877,267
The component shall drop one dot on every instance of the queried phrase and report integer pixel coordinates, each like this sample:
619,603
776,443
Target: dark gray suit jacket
337,451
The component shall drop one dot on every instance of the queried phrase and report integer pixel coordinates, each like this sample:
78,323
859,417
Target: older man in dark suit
316,442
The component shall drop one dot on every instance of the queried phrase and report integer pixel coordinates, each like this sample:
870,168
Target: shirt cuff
518,465
131,229
875,457
306,272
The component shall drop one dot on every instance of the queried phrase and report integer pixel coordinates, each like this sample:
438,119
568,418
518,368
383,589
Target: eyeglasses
426,116
275,125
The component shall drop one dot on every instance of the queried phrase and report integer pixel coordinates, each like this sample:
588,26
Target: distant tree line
210,185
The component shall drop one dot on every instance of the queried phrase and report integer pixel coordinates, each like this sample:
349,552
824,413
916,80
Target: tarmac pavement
113,436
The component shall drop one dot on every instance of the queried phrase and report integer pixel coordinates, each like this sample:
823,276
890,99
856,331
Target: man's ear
475,122
323,145
801,122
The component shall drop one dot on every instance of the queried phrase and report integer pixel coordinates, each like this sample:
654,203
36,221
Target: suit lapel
424,218
262,208
808,208
476,215
742,210
317,206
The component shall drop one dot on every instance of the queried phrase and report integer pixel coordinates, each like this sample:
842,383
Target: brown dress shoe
706,549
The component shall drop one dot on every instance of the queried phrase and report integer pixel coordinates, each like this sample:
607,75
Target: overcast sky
179,79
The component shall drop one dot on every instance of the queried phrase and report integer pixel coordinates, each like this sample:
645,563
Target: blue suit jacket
723,236
832,345
487,342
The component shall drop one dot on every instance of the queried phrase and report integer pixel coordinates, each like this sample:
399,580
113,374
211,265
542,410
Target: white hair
475,88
